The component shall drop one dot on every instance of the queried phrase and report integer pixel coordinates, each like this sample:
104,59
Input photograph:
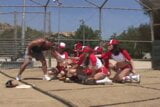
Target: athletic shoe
104,81
67,80
108,81
127,79
136,78
46,77
18,78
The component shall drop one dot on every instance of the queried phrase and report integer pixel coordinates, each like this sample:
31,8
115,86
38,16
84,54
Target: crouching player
124,66
92,67
61,57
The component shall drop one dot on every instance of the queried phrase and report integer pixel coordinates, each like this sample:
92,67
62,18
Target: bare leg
44,66
44,69
119,75
71,72
23,66
99,76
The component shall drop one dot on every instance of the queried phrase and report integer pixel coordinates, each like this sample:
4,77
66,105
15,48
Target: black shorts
37,53
38,56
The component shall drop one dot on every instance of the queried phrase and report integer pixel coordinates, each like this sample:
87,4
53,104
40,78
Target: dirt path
59,94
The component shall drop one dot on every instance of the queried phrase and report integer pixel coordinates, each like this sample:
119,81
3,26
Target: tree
89,34
30,33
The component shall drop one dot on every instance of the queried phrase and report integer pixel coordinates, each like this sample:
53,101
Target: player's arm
129,58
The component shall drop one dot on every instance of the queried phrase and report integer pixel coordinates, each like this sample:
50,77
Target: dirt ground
56,93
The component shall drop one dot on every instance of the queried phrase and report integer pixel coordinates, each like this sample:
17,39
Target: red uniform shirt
122,56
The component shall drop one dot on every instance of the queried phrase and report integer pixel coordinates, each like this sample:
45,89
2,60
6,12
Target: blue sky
113,21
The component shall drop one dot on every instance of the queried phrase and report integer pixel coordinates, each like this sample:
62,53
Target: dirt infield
59,94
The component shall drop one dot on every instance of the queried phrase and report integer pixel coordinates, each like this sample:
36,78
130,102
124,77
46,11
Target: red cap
87,49
113,42
98,49
78,46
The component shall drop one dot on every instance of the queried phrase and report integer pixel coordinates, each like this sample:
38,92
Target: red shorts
60,68
104,70
127,66
87,71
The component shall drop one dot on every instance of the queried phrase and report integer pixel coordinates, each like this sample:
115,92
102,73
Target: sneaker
67,80
104,81
46,77
127,79
18,78
136,78
108,81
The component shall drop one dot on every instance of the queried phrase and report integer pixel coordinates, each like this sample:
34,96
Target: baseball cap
62,45
78,46
98,49
87,49
113,42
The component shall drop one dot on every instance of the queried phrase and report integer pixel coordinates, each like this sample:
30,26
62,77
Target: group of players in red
88,66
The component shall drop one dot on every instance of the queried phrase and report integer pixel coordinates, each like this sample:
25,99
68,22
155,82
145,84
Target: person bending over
35,50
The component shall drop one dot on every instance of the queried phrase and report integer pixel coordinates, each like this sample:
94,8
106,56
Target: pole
83,23
100,22
152,37
152,26
49,28
83,30
23,25
15,32
45,17
59,21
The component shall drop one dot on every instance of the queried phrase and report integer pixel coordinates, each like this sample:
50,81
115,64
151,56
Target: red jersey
94,62
122,56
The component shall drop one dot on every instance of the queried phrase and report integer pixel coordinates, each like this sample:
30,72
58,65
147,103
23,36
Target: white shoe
67,80
46,77
136,78
18,77
108,82
105,81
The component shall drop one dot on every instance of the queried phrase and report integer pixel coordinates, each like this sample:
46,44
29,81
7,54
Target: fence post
15,32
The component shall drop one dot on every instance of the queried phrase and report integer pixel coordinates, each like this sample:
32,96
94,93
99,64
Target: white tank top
98,64
119,58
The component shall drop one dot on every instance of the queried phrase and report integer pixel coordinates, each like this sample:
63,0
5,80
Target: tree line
140,33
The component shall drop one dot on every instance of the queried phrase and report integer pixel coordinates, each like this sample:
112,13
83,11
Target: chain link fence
25,22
